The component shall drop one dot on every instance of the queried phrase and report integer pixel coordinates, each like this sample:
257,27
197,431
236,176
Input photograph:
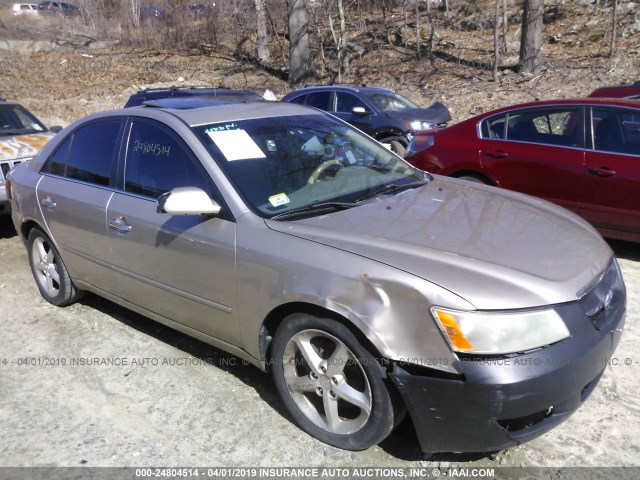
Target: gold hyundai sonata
366,287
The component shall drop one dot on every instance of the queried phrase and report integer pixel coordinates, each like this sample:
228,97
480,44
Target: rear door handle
120,224
497,154
602,171
48,203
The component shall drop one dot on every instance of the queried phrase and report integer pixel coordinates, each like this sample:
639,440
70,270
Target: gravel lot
170,400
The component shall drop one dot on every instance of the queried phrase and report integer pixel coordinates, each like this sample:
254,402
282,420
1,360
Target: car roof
344,87
185,103
219,113
617,102
149,94
616,91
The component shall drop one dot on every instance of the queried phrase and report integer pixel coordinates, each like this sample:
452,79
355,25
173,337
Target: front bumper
500,402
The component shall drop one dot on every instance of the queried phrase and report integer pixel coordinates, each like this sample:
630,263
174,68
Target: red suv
583,154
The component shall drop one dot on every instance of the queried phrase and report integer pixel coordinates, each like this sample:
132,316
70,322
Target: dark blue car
381,113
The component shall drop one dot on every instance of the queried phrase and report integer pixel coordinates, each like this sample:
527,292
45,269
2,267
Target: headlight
418,125
500,332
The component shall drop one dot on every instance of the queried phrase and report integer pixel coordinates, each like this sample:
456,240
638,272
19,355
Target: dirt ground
169,400
173,401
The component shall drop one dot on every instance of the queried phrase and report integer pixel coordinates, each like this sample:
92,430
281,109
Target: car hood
494,248
437,113
23,146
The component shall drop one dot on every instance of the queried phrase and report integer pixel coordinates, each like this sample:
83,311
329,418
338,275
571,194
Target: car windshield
16,120
390,102
304,164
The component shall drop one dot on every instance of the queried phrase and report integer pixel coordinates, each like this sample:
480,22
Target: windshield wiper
314,208
393,187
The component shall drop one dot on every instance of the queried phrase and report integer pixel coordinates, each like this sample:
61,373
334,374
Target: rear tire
49,272
331,385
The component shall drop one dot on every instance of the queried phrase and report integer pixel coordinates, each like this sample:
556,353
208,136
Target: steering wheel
321,168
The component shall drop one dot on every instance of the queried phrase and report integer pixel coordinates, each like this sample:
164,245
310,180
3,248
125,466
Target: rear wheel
331,385
49,271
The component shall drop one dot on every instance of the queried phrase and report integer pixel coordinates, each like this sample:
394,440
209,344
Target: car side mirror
187,201
55,129
359,111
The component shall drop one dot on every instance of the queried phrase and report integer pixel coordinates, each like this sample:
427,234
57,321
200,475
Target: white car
22,135
25,9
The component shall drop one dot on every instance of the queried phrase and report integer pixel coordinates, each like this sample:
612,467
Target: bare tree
340,41
614,30
496,41
300,65
531,37
262,40
132,9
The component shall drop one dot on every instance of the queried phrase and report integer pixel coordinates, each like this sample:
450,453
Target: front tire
49,271
331,385
398,148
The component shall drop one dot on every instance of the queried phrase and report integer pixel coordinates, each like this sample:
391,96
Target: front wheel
331,385
49,271
398,148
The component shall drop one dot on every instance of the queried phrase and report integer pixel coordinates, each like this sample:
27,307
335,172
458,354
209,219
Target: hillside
63,82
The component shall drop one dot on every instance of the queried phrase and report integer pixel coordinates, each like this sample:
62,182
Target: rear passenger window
87,154
157,162
557,126
299,100
319,100
57,163
494,127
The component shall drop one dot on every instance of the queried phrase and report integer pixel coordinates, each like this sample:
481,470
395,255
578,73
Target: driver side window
158,162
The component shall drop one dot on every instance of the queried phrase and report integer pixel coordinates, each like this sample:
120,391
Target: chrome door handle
48,203
602,172
120,224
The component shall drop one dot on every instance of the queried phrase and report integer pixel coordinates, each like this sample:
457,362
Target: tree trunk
418,39
496,41
300,68
132,9
505,26
614,30
262,39
531,38
342,47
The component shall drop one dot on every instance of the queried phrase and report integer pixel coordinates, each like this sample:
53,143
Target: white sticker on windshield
279,199
236,145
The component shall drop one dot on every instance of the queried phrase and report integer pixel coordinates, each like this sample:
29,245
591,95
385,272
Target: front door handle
601,171
120,224
497,154
48,203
